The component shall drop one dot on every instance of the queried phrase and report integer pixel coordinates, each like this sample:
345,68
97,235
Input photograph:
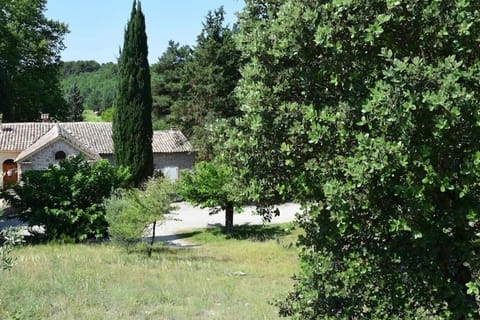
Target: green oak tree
30,46
211,186
132,121
369,114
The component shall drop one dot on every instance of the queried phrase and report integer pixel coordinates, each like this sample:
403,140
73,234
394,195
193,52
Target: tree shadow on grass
252,232
172,239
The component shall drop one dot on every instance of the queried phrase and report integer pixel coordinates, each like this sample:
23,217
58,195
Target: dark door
9,172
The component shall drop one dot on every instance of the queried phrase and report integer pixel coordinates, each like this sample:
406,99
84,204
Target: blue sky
97,26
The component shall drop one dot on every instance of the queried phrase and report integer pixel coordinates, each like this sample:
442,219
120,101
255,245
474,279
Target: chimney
44,117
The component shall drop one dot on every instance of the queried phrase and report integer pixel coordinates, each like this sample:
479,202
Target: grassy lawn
90,116
218,279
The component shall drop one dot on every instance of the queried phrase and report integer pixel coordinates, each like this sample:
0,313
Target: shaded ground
181,222
188,217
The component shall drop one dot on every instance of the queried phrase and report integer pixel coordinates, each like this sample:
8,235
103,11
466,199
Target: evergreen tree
167,78
75,103
209,78
132,121
368,113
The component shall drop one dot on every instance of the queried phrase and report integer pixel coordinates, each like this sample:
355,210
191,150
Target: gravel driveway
188,217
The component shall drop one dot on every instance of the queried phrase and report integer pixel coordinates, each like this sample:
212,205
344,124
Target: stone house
36,145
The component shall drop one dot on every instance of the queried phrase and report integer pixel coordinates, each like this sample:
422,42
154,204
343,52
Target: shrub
9,238
67,200
129,212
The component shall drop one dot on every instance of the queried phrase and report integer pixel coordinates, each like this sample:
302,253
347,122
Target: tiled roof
170,141
95,136
54,134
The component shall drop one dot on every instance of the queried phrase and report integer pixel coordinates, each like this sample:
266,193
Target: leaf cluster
9,239
209,185
67,199
367,113
30,46
130,212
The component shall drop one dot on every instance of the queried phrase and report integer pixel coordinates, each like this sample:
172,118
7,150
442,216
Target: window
59,155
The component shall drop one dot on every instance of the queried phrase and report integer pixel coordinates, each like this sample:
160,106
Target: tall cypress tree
132,121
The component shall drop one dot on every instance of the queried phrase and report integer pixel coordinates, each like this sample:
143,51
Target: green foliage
75,103
71,68
207,79
167,78
97,83
30,46
107,115
67,200
130,212
9,239
132,120
368,113
212,186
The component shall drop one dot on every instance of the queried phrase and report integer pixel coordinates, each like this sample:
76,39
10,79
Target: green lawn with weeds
91,116
220,277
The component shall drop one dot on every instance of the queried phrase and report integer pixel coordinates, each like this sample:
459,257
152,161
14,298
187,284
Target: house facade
36,145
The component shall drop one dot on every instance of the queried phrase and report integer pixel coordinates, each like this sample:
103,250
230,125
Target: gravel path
188,217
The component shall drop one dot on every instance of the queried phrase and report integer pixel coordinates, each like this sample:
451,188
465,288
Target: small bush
130,212
9,238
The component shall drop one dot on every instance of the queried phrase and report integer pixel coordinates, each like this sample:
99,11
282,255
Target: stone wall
171,163
42,159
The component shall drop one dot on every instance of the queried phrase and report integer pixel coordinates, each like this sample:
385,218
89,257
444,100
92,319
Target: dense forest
97,83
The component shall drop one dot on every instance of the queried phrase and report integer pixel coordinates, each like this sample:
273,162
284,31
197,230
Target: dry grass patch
220,279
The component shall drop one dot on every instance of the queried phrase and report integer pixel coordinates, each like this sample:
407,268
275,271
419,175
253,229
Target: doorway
10,172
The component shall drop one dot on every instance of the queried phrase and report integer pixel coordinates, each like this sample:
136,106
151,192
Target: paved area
188,217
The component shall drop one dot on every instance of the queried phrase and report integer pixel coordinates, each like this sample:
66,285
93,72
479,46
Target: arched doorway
10,172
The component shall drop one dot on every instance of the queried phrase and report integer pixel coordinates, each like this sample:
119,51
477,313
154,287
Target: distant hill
97,82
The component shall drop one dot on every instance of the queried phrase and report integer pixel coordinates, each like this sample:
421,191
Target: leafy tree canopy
30,46
368,113
167,77
212,186
208,77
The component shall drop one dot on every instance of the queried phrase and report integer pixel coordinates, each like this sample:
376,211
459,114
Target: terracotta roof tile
54,134
95,136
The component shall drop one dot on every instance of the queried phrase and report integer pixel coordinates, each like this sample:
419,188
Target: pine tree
75,103
132,121
209,77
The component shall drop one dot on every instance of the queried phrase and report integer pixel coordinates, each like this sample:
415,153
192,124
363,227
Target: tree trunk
150,247
229,217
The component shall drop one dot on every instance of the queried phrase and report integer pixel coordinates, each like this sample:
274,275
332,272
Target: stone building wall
171,163
42,159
